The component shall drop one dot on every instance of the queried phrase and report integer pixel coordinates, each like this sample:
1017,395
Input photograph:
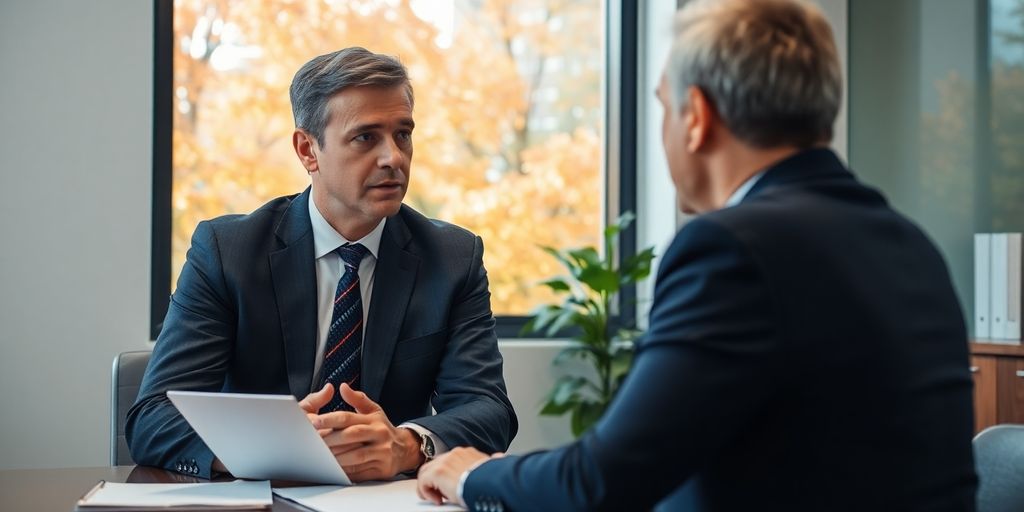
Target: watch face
427,447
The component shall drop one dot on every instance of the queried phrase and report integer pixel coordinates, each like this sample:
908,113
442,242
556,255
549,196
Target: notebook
237,495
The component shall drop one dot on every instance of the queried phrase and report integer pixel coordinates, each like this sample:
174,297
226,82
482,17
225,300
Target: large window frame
621,22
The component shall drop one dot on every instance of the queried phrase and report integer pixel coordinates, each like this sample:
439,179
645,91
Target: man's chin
388,209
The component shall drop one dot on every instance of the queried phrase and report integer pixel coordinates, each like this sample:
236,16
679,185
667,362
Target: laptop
262,437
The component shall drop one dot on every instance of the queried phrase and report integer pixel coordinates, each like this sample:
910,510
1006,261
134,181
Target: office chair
999,460
126,377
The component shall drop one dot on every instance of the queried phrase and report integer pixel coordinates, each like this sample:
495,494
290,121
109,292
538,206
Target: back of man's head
318,80
769,67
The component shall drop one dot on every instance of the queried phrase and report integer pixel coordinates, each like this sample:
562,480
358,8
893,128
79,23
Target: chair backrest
126,377
999,460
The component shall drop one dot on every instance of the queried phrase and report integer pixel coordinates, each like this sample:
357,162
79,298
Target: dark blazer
243,319
806,351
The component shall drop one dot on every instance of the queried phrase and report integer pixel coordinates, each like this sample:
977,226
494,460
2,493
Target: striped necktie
342,352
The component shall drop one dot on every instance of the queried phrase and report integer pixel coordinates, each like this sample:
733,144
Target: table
50,490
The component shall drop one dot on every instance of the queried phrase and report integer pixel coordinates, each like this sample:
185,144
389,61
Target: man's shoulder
433,232
263,220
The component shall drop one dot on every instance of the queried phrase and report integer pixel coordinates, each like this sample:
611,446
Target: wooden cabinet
998,372
983,368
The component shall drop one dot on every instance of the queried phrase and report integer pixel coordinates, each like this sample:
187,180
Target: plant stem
605,369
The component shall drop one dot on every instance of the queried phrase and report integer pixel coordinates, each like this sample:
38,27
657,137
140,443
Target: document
982,281
237,495
999,290
398,496
1011,329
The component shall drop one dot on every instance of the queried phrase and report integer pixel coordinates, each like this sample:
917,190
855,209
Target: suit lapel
393,281
293,271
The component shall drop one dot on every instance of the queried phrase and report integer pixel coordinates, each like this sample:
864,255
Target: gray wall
75,102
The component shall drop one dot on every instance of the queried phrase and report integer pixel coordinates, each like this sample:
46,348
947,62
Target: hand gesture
365,443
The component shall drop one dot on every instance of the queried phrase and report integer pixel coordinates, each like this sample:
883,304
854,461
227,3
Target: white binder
982,281
1013,287
998,286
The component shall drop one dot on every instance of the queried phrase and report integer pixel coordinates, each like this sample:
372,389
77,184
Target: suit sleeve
472,404
192,352
708,362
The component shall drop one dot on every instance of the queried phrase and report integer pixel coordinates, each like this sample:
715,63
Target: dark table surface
45,490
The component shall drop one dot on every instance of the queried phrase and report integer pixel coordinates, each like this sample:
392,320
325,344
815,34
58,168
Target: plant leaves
637,266
567,317
542,316
622,360
550,408
599,279
584,415
620,225
566,393
569,264
625,219
557,284
585,257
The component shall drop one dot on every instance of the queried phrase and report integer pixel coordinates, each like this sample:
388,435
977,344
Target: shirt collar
743,189
326,239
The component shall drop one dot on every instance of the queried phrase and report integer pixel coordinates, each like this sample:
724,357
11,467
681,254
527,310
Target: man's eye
363,137
404,136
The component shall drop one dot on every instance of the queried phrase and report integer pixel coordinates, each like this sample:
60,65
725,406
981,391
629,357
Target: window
510,110
937,117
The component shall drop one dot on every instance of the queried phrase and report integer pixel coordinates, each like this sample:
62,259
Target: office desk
50,490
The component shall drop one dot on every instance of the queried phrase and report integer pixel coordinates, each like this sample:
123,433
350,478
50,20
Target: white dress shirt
329,269
740,191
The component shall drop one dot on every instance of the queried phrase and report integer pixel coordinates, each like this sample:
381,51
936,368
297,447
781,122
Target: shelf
995,349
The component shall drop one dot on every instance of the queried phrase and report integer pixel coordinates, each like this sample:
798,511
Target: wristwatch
427,448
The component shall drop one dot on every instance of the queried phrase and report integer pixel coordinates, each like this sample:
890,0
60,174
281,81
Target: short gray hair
318,80
769,67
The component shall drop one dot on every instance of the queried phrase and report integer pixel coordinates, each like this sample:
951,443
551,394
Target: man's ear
699,117
306,148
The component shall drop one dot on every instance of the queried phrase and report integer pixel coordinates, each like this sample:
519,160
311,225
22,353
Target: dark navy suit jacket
806,351
243,319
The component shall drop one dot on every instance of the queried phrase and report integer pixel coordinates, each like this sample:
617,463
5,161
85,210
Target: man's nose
391,154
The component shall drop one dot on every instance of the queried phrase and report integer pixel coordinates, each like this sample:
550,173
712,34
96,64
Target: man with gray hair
805,349
340,296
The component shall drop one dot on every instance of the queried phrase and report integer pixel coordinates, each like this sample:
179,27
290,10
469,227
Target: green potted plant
589,290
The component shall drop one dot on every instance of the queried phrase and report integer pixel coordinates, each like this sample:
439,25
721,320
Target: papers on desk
398,496
237,495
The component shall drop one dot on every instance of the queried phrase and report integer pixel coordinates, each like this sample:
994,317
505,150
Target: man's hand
366,444
438,479
314,401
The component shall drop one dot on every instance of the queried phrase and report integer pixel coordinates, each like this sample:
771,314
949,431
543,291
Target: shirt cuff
439,446
464,477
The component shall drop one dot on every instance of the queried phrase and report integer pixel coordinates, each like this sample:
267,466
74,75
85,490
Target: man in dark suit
341,296
805,349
